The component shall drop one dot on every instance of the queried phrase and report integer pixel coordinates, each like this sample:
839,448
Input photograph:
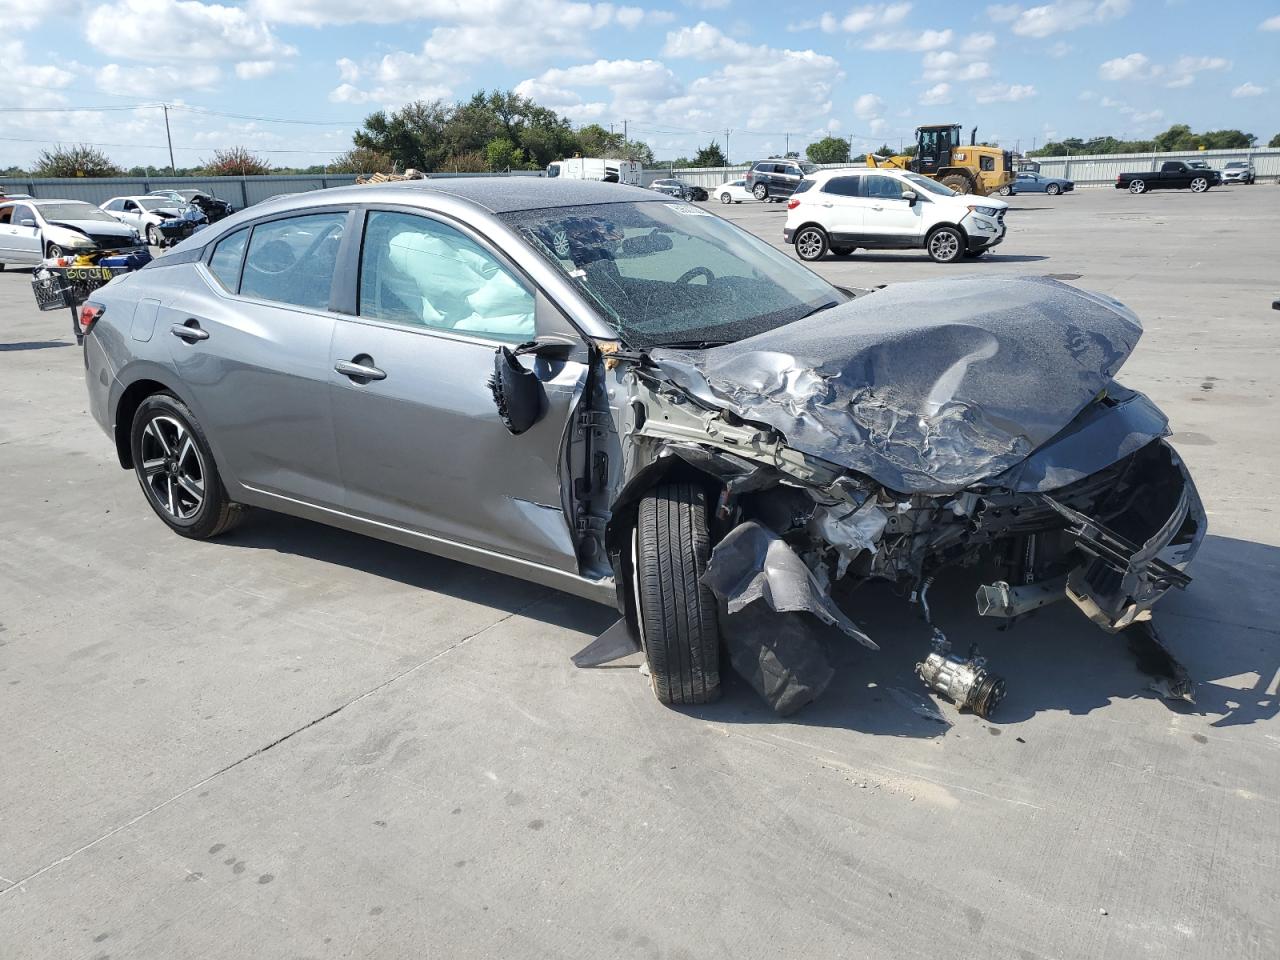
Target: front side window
882,188
842,186
293,260
670,273
423,273
227,257
21,213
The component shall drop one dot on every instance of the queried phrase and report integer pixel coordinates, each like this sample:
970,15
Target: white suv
840,211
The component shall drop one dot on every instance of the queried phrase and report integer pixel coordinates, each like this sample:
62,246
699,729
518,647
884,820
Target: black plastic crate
60,288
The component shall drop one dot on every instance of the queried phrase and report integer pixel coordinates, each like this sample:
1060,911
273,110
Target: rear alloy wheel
946,245
1053,189
725,198
811,244
1137,186
678,616
1199,185
176,471
760,191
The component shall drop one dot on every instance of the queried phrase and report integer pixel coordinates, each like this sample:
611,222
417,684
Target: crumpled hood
926,387
100,227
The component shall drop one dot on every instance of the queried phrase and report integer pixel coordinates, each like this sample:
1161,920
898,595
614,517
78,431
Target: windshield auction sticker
686,209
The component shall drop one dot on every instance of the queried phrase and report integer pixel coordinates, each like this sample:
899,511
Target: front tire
53,251
811,244
1137,186
153,239
760,191
1199,185
958,183
679,623
945,245
175,468
1053,189
1006,191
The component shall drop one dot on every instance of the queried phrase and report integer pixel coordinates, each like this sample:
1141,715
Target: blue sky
680,72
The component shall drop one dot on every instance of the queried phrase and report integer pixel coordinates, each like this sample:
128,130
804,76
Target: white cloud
705,42
1059,50
936,95
907,40
255,69
392,80
978,43
161,77
1185,69
857,19
1248,89
867,106
1271,23
632,17
19,14
1003,12
1064,15
1135,66
708,4
1005,93
181,30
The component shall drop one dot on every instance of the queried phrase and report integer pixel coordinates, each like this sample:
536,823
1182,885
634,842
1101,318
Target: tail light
793,203
90,313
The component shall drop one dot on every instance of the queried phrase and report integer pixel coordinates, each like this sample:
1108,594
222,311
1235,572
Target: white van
840,211
597,168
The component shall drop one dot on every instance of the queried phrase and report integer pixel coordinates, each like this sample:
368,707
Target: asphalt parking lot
296,742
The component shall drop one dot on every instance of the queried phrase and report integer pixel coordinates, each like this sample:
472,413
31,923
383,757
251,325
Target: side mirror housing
910,196
26,222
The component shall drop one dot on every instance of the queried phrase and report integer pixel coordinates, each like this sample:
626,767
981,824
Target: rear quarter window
804,185
227,258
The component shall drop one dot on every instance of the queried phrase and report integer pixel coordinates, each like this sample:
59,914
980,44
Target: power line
159,146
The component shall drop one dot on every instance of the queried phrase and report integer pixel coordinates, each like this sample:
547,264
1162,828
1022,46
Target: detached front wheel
679,624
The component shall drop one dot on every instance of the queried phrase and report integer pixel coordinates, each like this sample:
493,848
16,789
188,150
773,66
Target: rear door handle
359,371
828,204
189,331
877,208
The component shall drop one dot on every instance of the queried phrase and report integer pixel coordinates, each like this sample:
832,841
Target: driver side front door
420,443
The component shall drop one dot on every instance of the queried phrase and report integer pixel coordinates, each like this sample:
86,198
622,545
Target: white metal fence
244,191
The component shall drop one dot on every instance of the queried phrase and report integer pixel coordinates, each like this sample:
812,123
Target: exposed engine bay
918,428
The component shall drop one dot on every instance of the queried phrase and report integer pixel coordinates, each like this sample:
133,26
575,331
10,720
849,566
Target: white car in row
732,191
840,211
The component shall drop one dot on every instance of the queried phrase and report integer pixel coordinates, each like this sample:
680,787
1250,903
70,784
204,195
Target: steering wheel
688,275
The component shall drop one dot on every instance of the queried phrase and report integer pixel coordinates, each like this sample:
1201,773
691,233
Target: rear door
841,205
252,345
419,438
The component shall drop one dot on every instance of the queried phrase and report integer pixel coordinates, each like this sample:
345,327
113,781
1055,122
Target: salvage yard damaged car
622,396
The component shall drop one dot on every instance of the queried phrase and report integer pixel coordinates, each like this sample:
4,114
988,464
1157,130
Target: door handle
189,331
359,371
828,204
877,208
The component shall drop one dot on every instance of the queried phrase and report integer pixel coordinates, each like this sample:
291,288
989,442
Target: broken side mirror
517,392
911,197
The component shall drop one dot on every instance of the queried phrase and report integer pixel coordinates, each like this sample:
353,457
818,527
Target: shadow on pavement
33,345
1222,628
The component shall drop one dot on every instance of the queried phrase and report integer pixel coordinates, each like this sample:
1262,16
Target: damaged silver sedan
630,399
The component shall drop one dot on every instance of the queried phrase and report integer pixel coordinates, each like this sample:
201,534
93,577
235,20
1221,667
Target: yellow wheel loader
966,168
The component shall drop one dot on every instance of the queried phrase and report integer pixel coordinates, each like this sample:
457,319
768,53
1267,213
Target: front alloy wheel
152,239
946,245
1053,189
811,244
1199,185
1137,186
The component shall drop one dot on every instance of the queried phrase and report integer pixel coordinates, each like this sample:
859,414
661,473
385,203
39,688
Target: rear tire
175,468
726,198
678,615
843,251
760,191
1199,185
1137,186
811,244
945,245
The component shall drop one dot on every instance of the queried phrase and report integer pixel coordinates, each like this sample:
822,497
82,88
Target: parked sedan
31,230
591,387
1239,171
673,187
161,220
212,207
733,191
1039,183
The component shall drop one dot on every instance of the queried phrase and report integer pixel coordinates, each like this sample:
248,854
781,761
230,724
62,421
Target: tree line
502,130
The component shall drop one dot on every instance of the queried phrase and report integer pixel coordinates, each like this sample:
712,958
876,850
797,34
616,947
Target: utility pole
787,150
173,170
625,138
727,131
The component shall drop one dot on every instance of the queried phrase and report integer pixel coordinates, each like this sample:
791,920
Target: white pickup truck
597,168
